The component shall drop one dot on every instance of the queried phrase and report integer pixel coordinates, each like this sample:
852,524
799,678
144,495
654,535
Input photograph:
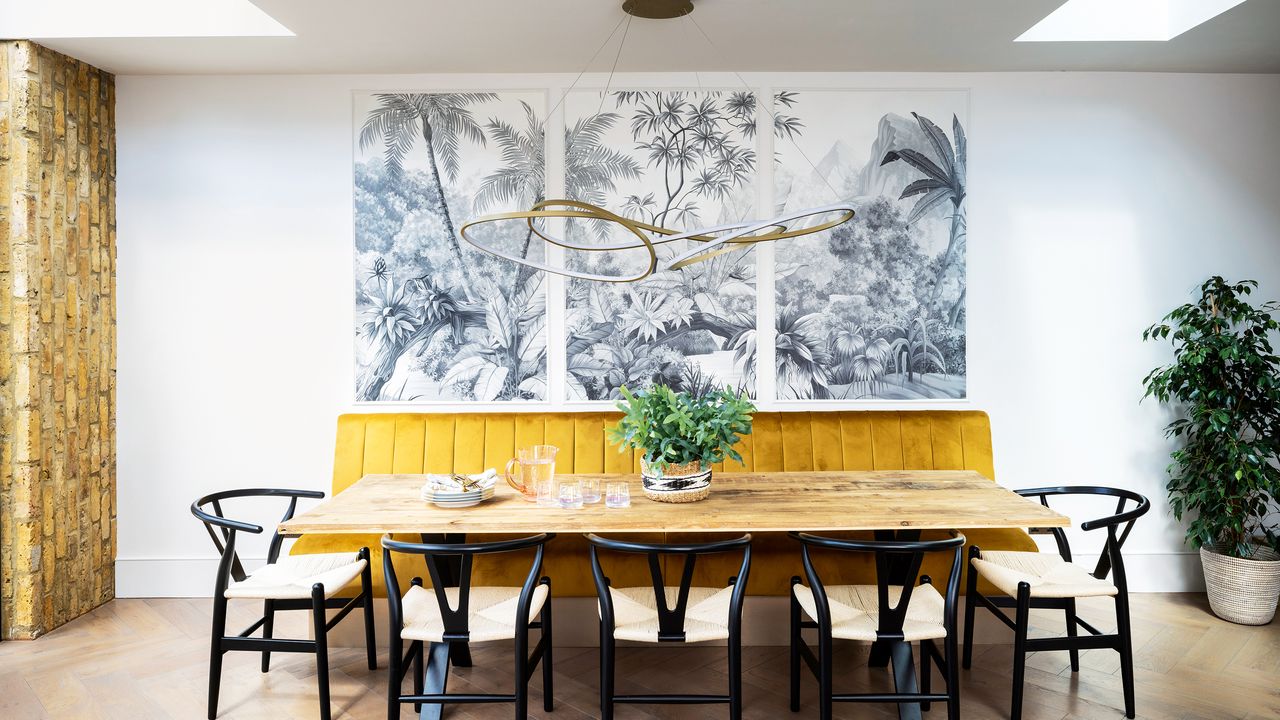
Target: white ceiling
428,36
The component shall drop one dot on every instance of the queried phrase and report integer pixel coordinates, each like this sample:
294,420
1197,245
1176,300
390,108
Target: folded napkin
450,483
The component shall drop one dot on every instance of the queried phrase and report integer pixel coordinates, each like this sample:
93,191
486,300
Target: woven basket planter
685,483
1242,591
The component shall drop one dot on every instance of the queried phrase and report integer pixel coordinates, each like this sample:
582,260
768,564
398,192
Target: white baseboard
193,577
1163,572
170,577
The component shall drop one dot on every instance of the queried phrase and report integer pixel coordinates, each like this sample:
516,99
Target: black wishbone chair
297,582
1036,580
467,614
884,612
664,613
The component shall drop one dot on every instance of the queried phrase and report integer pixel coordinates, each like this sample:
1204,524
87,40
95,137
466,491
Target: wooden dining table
894,504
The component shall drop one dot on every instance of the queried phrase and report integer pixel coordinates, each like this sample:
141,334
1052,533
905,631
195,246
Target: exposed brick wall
57,338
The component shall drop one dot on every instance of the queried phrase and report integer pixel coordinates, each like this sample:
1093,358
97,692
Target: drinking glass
617,495
547,494
570,495
590,490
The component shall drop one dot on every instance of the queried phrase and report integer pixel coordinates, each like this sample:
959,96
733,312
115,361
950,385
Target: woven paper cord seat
491,612
292,576
855,613
636,613
1048,575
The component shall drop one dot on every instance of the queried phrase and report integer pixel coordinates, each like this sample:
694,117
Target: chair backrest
455,619
671,626
222,530
900,558
1118,525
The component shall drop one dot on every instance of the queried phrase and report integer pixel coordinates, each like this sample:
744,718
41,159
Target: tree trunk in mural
455,244
948,258
379,371
525,272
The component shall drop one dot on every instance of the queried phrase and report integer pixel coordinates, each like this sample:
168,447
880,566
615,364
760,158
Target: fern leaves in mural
436,320
874,308
680,160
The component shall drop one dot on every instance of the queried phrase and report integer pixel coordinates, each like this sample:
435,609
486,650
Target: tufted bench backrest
780,441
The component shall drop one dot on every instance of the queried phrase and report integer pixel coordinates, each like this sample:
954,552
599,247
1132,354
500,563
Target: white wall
1098,201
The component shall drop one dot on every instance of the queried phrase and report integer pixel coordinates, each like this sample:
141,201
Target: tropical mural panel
871,310
875,308
437,320
680,160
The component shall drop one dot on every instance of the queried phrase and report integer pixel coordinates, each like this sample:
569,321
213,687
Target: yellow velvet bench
780,441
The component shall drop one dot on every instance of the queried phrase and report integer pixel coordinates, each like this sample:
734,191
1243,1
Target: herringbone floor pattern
141,659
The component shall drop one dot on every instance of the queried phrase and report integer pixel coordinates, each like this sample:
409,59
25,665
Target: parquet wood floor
143,659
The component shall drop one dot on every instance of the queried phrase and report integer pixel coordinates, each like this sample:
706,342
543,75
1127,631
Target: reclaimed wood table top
739,502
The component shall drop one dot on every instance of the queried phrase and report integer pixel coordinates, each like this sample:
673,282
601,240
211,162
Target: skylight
1124,20
136,18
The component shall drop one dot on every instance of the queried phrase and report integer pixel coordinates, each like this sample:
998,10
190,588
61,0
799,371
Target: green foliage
1224,379
701,423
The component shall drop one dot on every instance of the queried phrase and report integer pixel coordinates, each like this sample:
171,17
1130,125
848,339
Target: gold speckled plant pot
689,482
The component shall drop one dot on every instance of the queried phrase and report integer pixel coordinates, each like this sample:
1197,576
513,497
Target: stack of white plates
459,498
447,491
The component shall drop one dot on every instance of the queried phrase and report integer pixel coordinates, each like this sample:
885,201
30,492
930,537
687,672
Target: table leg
880,651
436,671
435,678
904,678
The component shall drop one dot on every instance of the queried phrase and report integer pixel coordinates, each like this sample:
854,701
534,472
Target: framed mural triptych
873,309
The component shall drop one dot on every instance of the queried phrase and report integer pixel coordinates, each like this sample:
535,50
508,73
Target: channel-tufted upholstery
780,441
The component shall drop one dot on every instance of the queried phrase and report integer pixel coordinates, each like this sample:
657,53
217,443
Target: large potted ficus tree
1224,385
681,433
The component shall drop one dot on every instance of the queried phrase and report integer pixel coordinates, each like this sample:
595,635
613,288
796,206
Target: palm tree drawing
689,159
592,169
522,178
443,120
857,359
912,350
692,146
482,339
944,180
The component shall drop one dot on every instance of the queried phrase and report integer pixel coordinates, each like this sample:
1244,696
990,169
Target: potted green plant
1224,382
681,433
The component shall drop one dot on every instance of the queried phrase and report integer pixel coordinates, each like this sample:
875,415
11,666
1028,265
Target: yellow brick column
57,339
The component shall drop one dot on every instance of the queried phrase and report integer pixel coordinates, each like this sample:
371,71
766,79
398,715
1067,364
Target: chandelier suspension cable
592,59
609,82
767,106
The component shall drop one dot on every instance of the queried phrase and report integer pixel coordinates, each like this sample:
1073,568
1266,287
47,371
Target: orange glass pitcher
531,466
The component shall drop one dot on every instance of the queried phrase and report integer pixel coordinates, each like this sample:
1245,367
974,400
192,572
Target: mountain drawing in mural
682,160
435,319
875,308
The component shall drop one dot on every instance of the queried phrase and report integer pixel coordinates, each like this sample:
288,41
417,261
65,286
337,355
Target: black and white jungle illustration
875,308
675,159
436,319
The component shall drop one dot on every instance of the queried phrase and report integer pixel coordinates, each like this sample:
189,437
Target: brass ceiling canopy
658,9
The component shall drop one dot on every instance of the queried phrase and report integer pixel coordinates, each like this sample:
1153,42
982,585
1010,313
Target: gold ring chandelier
710,241
707,242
